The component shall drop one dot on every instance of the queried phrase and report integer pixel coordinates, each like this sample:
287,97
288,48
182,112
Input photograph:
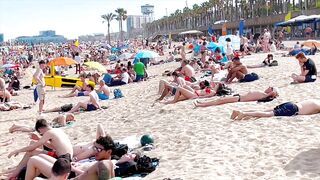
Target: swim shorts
311,78
102,96
80,93
91,107
286,109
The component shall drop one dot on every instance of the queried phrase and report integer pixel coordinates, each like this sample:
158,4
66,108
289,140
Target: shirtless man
270,93
103,91
60,169
101,169
53,138
91,105
40,88
237,70
5,96
2,88
187,71
307,107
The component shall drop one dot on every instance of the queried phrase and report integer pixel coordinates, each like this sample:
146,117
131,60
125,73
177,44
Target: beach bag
223,90
119,150
126,169
117,93
250,77
146,164
274,63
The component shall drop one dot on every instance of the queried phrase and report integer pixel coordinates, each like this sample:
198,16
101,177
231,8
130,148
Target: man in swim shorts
268,94
103,91
307,107
40,88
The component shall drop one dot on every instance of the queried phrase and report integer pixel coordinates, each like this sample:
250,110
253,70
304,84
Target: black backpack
224,90
119,150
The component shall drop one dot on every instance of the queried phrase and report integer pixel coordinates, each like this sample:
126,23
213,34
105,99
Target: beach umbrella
114,49
310,43
125,56
146,54
213,46
62,61
95,65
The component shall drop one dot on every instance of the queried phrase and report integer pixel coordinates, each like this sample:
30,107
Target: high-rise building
148,10
43,37
135,24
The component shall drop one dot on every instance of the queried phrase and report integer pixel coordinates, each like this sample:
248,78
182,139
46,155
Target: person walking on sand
40,88
261,96
306,107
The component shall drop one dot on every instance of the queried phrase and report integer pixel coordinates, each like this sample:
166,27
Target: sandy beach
201,143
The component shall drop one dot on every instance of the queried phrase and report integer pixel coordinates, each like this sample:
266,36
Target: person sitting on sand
260,96
60,170
266,62
236,70
5,96
121,79
187,71
186,92
103,168
59,121
306,107
77,90
91,105
59,143
103,91
308,70
177,81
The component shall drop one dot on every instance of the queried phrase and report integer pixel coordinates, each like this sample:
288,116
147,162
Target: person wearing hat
308,70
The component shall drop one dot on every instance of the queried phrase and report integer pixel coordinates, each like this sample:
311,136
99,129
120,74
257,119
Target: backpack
250,77
224,90
117,93
274,63
119,150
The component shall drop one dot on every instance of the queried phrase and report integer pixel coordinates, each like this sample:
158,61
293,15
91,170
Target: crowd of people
52,155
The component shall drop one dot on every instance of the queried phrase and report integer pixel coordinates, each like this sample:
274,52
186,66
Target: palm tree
108,18
121,16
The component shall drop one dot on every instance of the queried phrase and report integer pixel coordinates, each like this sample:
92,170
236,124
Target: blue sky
72,18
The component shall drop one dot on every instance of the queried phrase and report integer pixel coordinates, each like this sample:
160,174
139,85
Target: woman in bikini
186,92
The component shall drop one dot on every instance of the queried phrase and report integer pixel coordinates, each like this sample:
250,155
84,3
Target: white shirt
229,48
78,59
125,77
94,95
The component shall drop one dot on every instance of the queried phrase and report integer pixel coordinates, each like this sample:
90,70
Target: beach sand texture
201,143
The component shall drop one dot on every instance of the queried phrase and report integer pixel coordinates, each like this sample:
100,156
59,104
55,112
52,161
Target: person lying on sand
177,81
53,138
64,108
103,168
267,95
59,121
91,105
186,92
266,62
9,106
308,70
307,107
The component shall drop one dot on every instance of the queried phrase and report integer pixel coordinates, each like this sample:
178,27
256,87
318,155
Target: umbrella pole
52,76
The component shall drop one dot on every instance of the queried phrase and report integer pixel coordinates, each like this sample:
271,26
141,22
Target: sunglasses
97,149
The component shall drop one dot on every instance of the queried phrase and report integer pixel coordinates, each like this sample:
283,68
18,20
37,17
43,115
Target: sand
201,143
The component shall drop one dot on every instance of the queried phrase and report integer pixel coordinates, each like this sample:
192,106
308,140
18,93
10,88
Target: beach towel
35,95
